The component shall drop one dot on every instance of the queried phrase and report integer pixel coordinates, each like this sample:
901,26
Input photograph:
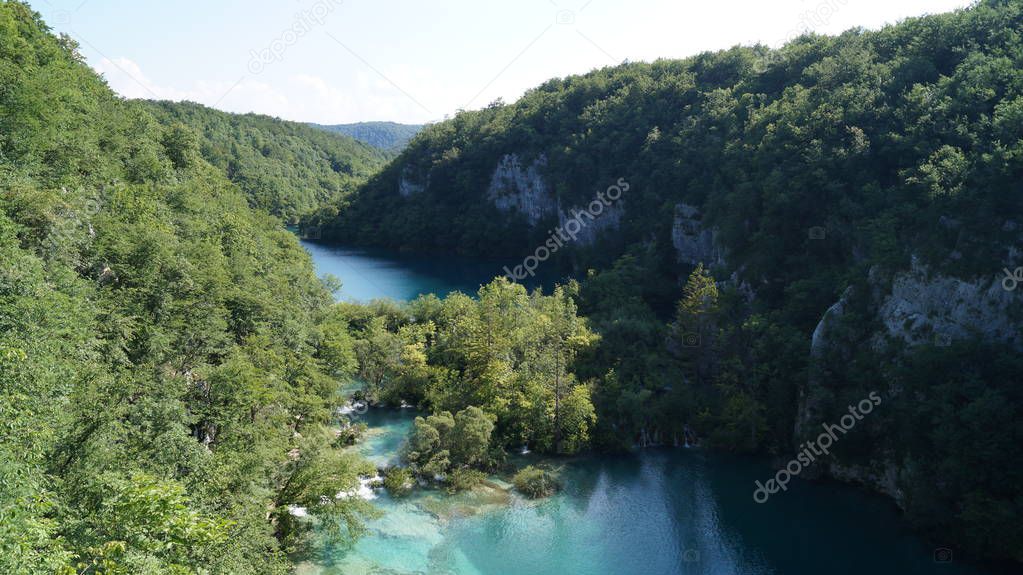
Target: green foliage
535,483
317,475
442,444
388,136
398,481
163,347
285,168
464,479
964,402
507,356
142,522
815,166
181,146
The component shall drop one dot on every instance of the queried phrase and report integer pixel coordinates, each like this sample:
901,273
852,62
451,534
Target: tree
181,146
441,445
695,321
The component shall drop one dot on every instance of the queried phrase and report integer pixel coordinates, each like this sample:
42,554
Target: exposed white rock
409,185
609,218
827,323
522,189
693,243
936,309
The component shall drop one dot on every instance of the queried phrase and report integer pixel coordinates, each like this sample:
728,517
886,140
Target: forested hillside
389,136
286,168
801,227
164,387
796,230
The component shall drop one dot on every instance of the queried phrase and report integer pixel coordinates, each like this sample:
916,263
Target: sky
415,61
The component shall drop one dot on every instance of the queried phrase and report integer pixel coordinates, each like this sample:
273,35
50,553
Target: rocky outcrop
520,188
914,307
409,185
811,396
925,308
515,187
822,333
694,244
608,219
881,476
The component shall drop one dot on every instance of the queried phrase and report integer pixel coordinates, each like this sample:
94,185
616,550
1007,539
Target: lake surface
368,273
658,512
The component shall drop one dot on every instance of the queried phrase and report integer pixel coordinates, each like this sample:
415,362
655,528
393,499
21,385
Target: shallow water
671,511
659,512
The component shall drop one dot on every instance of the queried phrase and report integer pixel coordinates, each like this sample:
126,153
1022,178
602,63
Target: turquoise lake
368,274
657,512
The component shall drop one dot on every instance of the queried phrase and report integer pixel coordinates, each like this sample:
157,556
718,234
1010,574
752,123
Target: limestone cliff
910,308
694,243
925,307
411,184
515,187
518,187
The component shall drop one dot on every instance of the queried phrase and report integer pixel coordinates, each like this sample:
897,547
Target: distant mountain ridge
285,168
389,136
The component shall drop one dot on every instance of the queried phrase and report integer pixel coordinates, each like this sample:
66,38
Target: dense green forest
286,168
170,366
824,172
166,377
391,137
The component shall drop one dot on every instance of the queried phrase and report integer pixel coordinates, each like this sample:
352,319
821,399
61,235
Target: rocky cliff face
411,184
694,244
608,220
914,307
521,188
516,187
931,308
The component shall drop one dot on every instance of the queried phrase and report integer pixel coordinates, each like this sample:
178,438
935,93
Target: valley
744,311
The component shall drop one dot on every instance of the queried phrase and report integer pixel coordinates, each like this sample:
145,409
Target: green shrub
535,483
464,479
398,481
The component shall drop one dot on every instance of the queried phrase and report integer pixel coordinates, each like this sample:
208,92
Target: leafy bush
463,479
398,481
535,483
